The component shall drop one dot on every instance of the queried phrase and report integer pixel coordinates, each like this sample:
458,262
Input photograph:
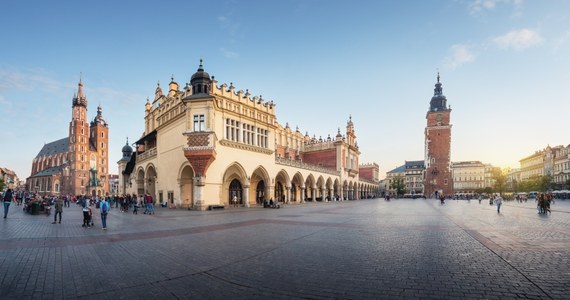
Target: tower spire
79,98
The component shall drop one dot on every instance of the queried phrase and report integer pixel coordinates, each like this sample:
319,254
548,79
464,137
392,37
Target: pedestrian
7,198
104,208
59,203
234,201
499,201
86,213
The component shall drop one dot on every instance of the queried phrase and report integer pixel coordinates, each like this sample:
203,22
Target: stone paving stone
367,249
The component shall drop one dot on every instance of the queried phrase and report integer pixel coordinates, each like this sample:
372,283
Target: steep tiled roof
59,146
400,169
48,171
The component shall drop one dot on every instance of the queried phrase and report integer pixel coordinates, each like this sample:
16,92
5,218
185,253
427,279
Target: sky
504,66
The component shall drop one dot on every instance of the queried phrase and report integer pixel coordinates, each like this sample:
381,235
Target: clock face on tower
439,117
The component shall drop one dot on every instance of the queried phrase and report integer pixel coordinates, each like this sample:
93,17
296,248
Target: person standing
104,208
499,201
59,203
234,201
86,213
7,198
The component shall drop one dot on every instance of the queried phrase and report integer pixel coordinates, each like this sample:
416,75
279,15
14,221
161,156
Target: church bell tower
438,180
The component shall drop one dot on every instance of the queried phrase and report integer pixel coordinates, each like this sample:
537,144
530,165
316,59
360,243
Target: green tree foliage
500,179
2,184
397,183
537,183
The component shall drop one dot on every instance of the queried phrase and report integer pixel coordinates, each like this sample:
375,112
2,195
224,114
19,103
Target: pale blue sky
504,66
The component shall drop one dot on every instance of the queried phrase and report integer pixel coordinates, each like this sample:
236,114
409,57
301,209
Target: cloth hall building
208,144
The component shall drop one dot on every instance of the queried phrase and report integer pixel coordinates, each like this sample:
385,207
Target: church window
102,145
102,134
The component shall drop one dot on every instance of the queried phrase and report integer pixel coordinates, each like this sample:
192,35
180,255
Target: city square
363,249
285,150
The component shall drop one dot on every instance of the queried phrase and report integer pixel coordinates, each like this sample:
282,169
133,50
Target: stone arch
336,190
297,185
260,185
186,176
235,179
282,186
139,180
329,189
150,179
310,185
320,192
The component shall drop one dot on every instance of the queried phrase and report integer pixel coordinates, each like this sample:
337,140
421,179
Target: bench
215,206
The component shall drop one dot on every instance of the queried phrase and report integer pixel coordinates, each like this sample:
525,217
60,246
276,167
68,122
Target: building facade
438,179
468,177
76,164
208,144
414,177
398,173
561,172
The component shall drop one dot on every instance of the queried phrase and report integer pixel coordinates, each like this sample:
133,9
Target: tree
2,184
500,179
397,184
545,183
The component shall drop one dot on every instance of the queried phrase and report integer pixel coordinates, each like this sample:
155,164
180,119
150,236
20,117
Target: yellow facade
207,144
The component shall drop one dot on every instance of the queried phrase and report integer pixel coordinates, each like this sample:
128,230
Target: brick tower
438,179
78,144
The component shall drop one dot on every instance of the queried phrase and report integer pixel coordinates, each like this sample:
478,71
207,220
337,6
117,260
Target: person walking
59,203
7,198
104,208
499,201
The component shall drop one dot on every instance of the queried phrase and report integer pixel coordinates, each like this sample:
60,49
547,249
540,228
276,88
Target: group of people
104,205
543,203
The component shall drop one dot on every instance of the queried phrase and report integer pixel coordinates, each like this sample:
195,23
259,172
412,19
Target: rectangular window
199,122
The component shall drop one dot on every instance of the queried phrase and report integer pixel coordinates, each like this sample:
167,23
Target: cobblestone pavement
366,249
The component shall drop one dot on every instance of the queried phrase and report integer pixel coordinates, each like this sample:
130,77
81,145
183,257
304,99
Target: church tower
99,156
438,179
78,145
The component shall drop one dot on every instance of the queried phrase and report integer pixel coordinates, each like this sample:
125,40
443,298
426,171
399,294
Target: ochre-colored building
208,144
76,164
438,177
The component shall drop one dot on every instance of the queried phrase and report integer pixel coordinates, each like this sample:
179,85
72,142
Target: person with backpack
104,208
7,198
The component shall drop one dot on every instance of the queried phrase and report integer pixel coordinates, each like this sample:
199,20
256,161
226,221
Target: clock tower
438,180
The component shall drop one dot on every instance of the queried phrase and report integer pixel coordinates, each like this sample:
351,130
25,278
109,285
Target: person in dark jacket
59,203
7,198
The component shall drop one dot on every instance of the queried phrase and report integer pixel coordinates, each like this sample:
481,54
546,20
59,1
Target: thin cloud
5,103
518,40
561,42
229,54
460,54
27,80
480,6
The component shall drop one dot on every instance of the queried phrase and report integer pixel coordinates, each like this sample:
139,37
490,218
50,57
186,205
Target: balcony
149,154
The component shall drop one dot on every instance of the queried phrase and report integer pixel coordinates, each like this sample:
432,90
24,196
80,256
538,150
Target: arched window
235,190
